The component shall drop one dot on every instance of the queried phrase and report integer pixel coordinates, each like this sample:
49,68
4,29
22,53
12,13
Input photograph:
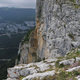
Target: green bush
59,65
71,36
72,1
76,73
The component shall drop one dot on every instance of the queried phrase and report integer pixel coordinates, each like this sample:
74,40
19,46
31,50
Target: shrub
71,36
72,1
59,65
66,76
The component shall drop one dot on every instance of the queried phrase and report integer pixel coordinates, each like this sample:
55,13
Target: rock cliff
57,33
57,29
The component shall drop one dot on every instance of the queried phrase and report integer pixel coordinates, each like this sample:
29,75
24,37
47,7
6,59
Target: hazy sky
18,3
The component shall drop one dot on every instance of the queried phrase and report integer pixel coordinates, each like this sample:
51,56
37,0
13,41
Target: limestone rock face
58,27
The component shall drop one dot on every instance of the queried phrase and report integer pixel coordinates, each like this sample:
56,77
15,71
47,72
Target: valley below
13,28
9,44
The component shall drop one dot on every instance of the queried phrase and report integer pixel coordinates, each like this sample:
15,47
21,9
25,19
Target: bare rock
67,62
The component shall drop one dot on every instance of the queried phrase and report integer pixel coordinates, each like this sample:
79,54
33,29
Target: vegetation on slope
61,69
27,36
3,68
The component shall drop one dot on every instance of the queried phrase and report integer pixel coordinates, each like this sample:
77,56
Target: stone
78,59
51,60
12,79
37,69
78,77
39,75
67,62
73,69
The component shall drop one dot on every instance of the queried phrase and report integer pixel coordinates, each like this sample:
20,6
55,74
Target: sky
18,3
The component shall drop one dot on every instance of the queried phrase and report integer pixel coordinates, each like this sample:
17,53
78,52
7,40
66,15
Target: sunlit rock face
58,27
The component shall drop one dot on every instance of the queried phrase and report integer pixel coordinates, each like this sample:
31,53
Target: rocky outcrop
33,70
61,68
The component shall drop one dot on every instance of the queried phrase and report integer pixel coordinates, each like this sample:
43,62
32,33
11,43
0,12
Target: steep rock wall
58,27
